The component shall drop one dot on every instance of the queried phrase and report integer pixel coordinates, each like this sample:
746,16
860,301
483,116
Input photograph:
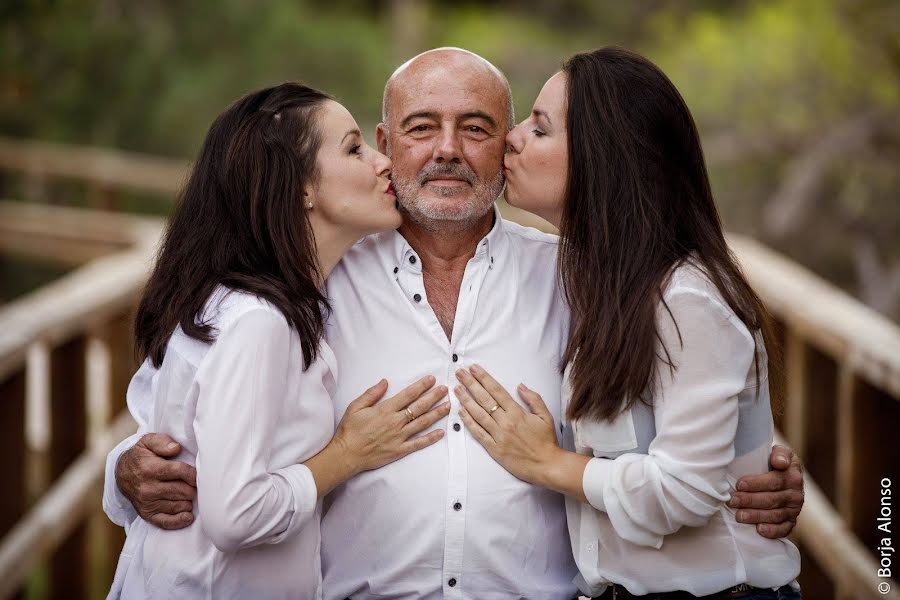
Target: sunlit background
103,104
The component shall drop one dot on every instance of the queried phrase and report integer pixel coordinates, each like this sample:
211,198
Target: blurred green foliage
797,100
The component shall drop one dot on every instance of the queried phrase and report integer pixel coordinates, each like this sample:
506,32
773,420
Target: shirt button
412,260
417,297
457,506
452,582
455,358
396,269
456,427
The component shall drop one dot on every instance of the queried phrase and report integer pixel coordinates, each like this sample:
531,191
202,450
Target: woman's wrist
562,471
332,466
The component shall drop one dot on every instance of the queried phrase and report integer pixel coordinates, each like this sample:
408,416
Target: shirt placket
457,435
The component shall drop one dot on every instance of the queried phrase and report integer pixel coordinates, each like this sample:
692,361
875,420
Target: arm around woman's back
243,385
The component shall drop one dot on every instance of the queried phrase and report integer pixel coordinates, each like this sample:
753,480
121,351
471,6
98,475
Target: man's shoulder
530,237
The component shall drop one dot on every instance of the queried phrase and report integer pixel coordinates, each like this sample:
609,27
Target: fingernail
742,486
783,461
476,369
734,502
741,515
171,446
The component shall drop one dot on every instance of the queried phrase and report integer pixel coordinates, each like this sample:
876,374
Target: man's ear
381,138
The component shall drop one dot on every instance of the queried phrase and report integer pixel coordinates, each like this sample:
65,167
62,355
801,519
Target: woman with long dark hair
668,378
235,367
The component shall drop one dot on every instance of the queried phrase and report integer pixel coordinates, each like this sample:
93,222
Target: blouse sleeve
116,506
681,481
242,383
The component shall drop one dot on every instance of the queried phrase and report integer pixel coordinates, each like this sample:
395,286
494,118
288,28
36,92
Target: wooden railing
842,369
66,357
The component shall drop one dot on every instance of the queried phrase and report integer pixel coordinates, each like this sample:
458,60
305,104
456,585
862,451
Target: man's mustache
443,171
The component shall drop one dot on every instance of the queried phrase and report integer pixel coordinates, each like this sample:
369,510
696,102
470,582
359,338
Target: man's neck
444,253
443,249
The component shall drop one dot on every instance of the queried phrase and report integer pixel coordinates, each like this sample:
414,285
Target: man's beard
472,203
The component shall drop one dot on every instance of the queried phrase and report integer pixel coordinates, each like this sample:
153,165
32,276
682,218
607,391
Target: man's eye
475,129
421,128
355,149
538,132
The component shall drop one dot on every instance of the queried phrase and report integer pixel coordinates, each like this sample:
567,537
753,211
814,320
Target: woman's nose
514,139
383,165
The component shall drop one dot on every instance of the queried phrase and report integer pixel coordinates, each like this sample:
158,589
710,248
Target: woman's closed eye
356,149
537,132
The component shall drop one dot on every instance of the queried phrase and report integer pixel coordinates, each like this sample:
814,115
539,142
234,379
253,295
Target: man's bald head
434,63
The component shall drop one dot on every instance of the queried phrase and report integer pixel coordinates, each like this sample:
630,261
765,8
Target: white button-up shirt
245,413
657,519
447,521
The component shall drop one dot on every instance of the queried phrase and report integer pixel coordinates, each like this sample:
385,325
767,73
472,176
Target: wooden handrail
89,295
108,168
831,319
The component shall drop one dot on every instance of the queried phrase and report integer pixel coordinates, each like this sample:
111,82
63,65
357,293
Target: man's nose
447,147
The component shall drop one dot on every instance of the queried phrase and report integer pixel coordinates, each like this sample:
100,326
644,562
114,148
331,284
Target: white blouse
246,416
657,519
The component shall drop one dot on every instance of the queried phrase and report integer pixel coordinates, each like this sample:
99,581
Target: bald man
455,285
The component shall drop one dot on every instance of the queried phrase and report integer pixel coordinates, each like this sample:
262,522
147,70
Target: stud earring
309,205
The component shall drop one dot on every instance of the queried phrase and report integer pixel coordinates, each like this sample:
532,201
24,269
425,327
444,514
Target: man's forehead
449,93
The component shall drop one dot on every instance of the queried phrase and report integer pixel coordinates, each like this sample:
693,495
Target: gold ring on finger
496,406
409,415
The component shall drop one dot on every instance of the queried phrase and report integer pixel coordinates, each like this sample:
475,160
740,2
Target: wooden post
12,449
120,339
795,417
68,426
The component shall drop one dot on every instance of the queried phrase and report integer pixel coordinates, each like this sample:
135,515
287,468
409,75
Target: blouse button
396,269
452,582
457,506
455,358
412,260
417,297
456,427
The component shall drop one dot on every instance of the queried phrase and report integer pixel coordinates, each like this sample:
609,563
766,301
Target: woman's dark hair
638,204
240,222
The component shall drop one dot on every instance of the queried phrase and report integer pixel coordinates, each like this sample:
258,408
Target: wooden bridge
66,358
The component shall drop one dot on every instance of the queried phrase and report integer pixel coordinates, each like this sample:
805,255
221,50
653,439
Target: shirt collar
489,246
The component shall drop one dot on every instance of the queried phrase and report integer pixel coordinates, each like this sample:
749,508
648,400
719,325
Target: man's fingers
161,445
166,490
174,470
179,521
172,507
781,457
426,420
773,481
775,531
766,500
369,397
776,516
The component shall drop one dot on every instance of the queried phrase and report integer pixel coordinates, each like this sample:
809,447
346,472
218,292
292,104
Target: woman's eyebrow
348,134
